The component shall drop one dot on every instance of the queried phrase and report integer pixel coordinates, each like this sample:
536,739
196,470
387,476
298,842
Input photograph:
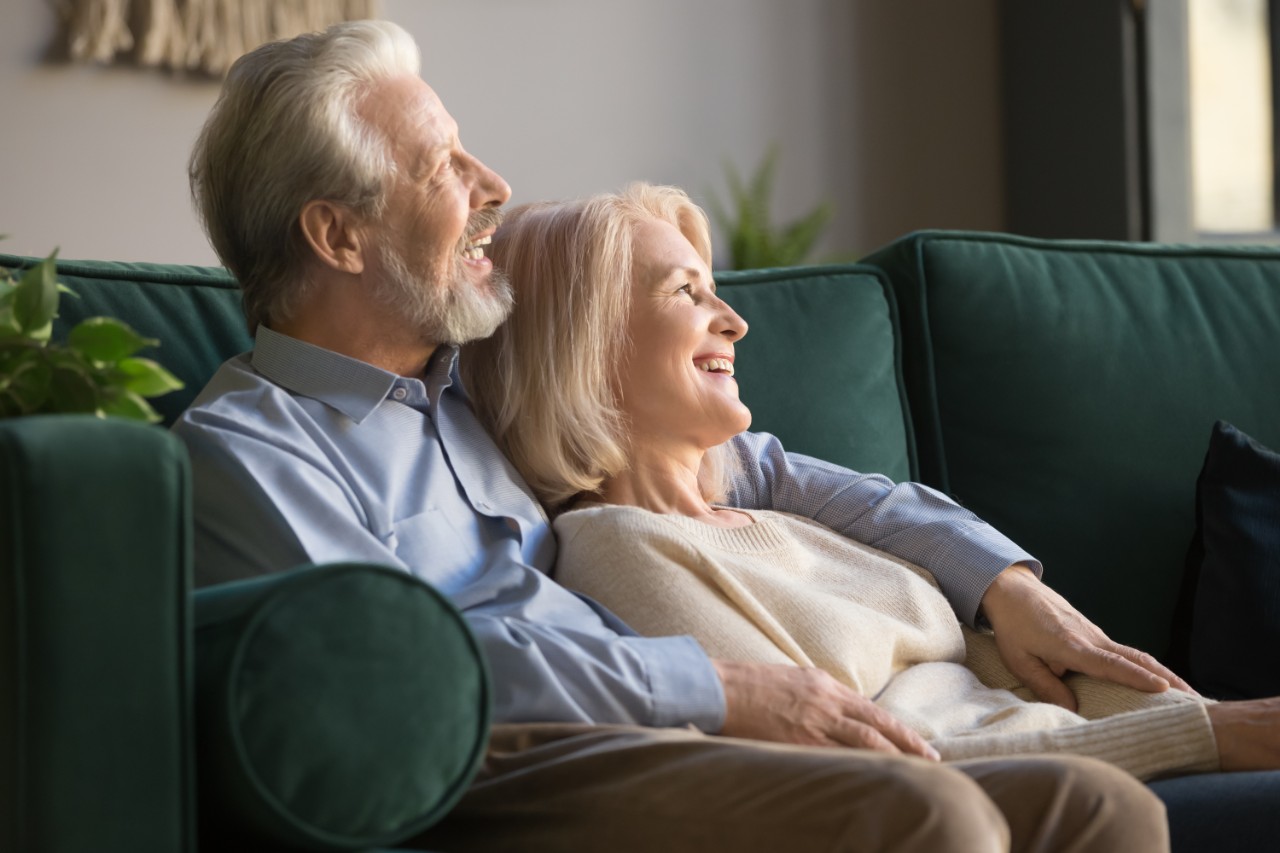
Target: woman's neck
667,483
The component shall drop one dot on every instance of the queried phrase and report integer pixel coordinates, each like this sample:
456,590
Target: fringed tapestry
194,35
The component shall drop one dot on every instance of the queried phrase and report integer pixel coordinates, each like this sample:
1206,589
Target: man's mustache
481,221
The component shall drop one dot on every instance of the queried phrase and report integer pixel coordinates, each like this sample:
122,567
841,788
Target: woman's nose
732,326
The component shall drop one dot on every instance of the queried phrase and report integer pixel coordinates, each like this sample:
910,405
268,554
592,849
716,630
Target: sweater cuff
685,686
1171,741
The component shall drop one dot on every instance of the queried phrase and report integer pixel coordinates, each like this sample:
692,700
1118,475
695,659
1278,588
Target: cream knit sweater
788,590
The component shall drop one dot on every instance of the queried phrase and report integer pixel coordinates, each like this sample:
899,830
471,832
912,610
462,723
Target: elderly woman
614,395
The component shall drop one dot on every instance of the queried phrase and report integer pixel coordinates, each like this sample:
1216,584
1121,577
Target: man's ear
334,235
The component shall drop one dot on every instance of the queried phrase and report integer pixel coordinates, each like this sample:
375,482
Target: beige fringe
195,35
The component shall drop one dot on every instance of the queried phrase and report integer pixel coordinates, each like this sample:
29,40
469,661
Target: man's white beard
452,312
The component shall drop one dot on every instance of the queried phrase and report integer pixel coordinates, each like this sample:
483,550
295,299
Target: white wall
887,107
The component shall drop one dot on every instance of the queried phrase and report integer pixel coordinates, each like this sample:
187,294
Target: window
1229,88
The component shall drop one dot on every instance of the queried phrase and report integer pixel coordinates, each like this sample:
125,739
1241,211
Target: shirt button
400,393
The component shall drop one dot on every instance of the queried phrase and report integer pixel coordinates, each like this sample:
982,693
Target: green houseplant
753,241
96,371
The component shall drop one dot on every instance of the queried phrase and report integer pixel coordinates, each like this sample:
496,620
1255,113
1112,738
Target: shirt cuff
683,682
979,557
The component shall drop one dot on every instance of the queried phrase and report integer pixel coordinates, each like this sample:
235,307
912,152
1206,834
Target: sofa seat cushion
337,708
819,366
1063,389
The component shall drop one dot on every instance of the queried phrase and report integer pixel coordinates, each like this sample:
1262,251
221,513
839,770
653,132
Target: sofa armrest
95,578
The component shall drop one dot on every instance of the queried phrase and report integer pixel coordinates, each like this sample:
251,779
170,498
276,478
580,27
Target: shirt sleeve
264,502
908,520
545,672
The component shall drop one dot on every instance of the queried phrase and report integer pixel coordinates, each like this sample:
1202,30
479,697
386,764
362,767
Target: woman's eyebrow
692,272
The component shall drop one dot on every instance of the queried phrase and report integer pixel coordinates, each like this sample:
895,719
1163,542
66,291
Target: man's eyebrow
426,161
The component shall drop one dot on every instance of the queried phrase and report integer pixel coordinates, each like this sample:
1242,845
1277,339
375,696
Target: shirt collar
349,385
443,374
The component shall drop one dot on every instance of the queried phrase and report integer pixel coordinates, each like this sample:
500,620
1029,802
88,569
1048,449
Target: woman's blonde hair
545,383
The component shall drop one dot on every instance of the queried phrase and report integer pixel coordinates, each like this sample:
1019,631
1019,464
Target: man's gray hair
285,131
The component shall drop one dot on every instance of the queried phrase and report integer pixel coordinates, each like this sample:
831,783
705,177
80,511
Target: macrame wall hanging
193,35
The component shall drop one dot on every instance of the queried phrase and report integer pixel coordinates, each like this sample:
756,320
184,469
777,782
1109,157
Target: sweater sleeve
1149,735
1172,740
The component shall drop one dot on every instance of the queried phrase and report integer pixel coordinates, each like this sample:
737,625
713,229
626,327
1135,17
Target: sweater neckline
768,532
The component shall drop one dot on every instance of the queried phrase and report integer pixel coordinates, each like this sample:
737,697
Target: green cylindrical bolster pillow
338,707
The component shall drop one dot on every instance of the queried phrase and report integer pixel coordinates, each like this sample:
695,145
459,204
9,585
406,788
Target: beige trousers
552,787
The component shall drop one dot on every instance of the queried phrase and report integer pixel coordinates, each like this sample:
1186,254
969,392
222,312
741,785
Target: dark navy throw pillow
1234,642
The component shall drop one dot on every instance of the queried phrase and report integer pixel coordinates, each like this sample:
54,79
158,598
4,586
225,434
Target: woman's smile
677,380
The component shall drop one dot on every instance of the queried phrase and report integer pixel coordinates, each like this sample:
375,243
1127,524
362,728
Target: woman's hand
1041,637
805,705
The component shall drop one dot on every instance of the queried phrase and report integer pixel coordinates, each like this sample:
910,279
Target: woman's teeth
717,365
475,251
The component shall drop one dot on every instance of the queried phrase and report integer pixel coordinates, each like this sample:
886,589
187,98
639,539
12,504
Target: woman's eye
687,290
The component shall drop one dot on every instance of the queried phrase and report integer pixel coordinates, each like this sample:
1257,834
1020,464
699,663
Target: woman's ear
334,235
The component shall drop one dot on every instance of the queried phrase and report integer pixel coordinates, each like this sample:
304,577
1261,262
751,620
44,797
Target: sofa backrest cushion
819,369
819,366
193,311
1066,392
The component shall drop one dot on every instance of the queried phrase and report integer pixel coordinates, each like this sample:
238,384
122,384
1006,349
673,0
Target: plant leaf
27,381
127,404
753,241
106,339
798,239
72,391
9,325
35,301
9,406
146,378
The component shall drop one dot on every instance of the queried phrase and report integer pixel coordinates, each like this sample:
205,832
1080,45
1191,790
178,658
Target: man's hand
1041,637
804,705
1248,733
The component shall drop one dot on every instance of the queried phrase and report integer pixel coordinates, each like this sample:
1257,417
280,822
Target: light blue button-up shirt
301,455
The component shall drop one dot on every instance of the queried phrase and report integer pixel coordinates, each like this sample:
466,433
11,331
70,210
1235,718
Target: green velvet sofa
1065,391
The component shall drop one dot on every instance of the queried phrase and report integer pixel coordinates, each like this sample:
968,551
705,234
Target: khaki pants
551,787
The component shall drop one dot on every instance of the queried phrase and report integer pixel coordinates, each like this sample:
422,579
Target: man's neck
360,331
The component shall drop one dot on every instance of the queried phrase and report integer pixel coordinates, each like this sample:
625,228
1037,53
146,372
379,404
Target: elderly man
333,184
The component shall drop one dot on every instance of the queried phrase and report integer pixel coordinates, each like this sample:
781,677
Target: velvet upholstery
337,707
848,359
95,637
1062,390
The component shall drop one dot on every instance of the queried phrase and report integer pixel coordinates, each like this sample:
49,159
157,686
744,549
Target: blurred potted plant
96,371
753,241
